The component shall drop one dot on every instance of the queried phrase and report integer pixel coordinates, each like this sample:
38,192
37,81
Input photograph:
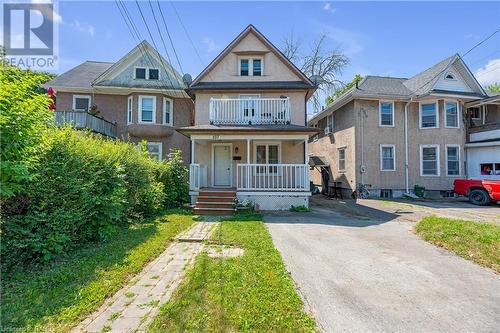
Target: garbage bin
419,191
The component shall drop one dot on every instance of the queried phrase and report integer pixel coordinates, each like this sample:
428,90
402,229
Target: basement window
386,193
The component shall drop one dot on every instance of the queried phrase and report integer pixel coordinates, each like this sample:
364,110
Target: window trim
380,113
333,122
459,160
130,110
160,148
345,159
250,65
267,144
438,168
458,113
147,68
420,115
81,96
393,157
139,109
171,122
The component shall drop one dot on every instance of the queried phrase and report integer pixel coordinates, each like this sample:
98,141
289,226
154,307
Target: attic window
449,76
145,73
153,74
140,73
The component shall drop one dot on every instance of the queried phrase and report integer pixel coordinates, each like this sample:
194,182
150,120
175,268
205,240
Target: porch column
248,151
306,152
192,151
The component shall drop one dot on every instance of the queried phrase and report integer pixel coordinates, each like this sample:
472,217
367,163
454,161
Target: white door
222,165
250,107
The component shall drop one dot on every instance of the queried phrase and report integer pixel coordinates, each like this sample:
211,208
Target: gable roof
80,76
143,48
404,89
251,29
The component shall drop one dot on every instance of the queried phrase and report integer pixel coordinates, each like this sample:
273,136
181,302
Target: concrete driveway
364,270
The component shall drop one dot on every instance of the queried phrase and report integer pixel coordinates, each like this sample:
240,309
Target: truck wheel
479,197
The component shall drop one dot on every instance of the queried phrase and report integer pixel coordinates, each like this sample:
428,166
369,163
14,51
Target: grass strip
55,297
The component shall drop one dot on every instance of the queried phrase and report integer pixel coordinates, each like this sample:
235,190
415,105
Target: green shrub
175,177
24,116
299,209
83,188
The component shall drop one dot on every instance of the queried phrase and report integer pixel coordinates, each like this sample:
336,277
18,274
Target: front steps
215,202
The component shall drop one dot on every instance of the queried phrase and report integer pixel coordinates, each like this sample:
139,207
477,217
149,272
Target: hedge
84,187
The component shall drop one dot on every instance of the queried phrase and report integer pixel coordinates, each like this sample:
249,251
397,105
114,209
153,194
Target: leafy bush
24,116
175,177
299,209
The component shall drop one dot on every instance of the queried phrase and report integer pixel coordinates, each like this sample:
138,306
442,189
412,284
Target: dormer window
154,74
145,73
449,76
251,67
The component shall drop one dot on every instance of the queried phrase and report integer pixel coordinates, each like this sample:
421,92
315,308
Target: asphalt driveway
366,271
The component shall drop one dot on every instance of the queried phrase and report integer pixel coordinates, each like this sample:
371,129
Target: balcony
85,120
249,111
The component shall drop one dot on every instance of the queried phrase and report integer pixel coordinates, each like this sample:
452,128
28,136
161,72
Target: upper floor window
449,76
429,115
81,103
147,109
386,113
144,73
329,122
451,114
168,118
251,67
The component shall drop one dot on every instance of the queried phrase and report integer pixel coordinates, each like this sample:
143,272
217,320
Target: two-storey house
392,134
139,97
249,139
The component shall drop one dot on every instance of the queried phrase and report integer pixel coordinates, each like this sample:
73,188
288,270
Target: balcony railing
272,177
83,119
249,111
197,176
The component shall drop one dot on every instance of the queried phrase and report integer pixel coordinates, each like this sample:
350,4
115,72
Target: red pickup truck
480,191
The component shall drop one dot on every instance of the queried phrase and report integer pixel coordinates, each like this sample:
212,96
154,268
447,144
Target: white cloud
83,27
328,7
490,73
210,43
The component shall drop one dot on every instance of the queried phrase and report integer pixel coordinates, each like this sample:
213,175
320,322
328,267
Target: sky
397,39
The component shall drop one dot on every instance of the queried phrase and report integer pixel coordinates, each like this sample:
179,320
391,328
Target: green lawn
249,293
54,298
479,242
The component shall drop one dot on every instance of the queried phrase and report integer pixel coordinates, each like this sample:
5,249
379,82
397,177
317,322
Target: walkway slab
133,307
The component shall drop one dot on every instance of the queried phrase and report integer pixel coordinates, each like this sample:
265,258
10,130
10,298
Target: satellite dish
187,79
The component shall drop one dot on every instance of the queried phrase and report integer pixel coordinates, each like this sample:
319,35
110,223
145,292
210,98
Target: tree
341,91
318,62
494,88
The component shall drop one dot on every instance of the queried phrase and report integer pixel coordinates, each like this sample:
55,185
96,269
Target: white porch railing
272,177
83,119
197,176
245,111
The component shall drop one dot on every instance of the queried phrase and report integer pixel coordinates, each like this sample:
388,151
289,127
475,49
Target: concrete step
210,204
213,211
215,199
213,193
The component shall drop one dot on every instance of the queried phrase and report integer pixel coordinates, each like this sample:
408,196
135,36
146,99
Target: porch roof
245,129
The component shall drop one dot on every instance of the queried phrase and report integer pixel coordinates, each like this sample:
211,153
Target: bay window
147,109
429,115
452,160
451,114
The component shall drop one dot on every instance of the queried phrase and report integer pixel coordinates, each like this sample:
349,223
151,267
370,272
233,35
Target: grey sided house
392,134
139,97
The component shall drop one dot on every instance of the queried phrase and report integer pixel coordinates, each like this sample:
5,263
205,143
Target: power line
169,37
481,42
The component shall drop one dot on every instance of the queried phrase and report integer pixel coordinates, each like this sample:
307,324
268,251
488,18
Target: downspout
407,186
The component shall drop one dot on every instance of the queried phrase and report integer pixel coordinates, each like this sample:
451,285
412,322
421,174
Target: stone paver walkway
133,308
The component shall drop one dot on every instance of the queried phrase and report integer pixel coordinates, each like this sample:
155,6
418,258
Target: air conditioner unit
328,131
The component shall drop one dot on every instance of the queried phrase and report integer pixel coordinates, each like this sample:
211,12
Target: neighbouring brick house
140,97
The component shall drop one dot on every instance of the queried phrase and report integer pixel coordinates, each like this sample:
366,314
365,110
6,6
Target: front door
222,165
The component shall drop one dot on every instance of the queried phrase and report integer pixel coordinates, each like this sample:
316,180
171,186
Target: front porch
269,170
